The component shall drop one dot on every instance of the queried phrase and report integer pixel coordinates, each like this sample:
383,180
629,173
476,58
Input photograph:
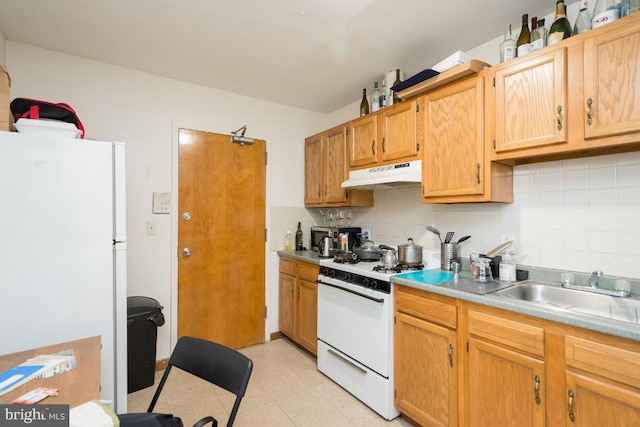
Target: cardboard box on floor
6,119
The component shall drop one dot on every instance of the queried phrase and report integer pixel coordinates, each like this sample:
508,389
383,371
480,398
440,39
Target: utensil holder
448,254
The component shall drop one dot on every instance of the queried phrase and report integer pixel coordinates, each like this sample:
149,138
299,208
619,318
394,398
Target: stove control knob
332,273
348,277
374,284
365,283
324,271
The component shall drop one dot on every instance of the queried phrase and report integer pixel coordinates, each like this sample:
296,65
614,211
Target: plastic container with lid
507,268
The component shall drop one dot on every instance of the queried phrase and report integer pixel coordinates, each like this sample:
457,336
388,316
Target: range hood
387,175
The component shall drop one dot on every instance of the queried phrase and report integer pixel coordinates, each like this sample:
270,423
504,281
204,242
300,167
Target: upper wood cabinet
399,131
579,97
531,102
325,162
455,167
363,141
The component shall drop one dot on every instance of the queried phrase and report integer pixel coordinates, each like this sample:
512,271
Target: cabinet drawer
432,308
288,267
602,359
511,333
308,272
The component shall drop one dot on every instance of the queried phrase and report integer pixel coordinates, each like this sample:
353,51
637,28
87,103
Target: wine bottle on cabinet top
396,99
524,39
583,21
508,46
364,104
539,36
560,29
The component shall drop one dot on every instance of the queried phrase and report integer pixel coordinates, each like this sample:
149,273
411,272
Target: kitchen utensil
389,256
324,250
344,256
448,254
410,253
498,250
448,237
367,251
434,231
462,239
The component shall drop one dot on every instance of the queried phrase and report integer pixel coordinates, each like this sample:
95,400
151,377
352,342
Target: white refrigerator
63,249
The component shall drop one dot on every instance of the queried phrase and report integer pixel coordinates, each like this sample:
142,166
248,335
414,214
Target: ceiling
312,54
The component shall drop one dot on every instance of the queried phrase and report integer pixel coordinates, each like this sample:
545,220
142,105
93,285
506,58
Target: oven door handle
378,300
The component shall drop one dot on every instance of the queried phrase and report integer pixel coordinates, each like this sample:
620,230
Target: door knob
186,216
186,252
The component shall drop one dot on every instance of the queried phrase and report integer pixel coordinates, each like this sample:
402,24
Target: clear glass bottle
524,39
287,244
384,95
605,11
539,36
364,104
508,46
583,21
560,29
375,97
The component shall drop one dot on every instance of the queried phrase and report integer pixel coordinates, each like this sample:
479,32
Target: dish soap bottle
507,268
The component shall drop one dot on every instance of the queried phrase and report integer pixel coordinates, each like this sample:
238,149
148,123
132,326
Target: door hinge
265,235
494,144
266,158
494,82
265,311
417,108
418,146
467,346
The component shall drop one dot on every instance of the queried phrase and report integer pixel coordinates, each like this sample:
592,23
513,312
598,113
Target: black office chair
220,365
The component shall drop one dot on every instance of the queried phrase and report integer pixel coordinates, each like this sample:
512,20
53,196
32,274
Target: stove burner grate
398,268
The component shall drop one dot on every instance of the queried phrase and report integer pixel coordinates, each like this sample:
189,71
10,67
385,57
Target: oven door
357,322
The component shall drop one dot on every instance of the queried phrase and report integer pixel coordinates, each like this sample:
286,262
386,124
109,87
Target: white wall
142,110
3,47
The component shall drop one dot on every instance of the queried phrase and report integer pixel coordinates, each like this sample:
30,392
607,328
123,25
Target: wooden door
221,202
531,102
506,388
454,153
399,130
611,83
335,165
313,169
362,141
426,380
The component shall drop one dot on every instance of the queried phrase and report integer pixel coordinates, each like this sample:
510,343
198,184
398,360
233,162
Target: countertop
612,327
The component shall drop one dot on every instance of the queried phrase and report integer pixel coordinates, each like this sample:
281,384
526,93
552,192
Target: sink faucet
595,276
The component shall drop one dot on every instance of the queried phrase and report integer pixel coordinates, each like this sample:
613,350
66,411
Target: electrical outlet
507,238
366,234
151,228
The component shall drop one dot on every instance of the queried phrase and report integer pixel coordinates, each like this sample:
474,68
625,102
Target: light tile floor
285,389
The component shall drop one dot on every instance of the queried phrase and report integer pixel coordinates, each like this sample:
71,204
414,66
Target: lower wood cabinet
464,364
298,313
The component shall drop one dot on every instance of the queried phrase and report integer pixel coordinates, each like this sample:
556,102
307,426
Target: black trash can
144,315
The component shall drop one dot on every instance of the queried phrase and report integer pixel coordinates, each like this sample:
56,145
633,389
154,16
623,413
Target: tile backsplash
575,215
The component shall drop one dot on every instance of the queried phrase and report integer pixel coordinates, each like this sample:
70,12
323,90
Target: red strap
34,112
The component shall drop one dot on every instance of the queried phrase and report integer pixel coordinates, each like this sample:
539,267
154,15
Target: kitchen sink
576,301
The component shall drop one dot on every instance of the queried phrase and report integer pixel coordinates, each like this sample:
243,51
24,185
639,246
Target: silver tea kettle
324,248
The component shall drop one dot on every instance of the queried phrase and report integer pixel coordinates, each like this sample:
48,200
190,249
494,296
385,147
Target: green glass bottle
561,28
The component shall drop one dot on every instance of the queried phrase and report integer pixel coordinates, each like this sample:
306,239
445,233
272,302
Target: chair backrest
213,362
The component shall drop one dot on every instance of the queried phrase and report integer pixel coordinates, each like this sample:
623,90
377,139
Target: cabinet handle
589,118
572,416
384,149
559,117
451,355
478,173
373,147
537,389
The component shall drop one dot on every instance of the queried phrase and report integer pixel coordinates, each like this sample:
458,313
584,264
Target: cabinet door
312,169
612,82
425,371
399,131
595,403
307,315
506,388
286,304
531,102
454,140
362,142
335,165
